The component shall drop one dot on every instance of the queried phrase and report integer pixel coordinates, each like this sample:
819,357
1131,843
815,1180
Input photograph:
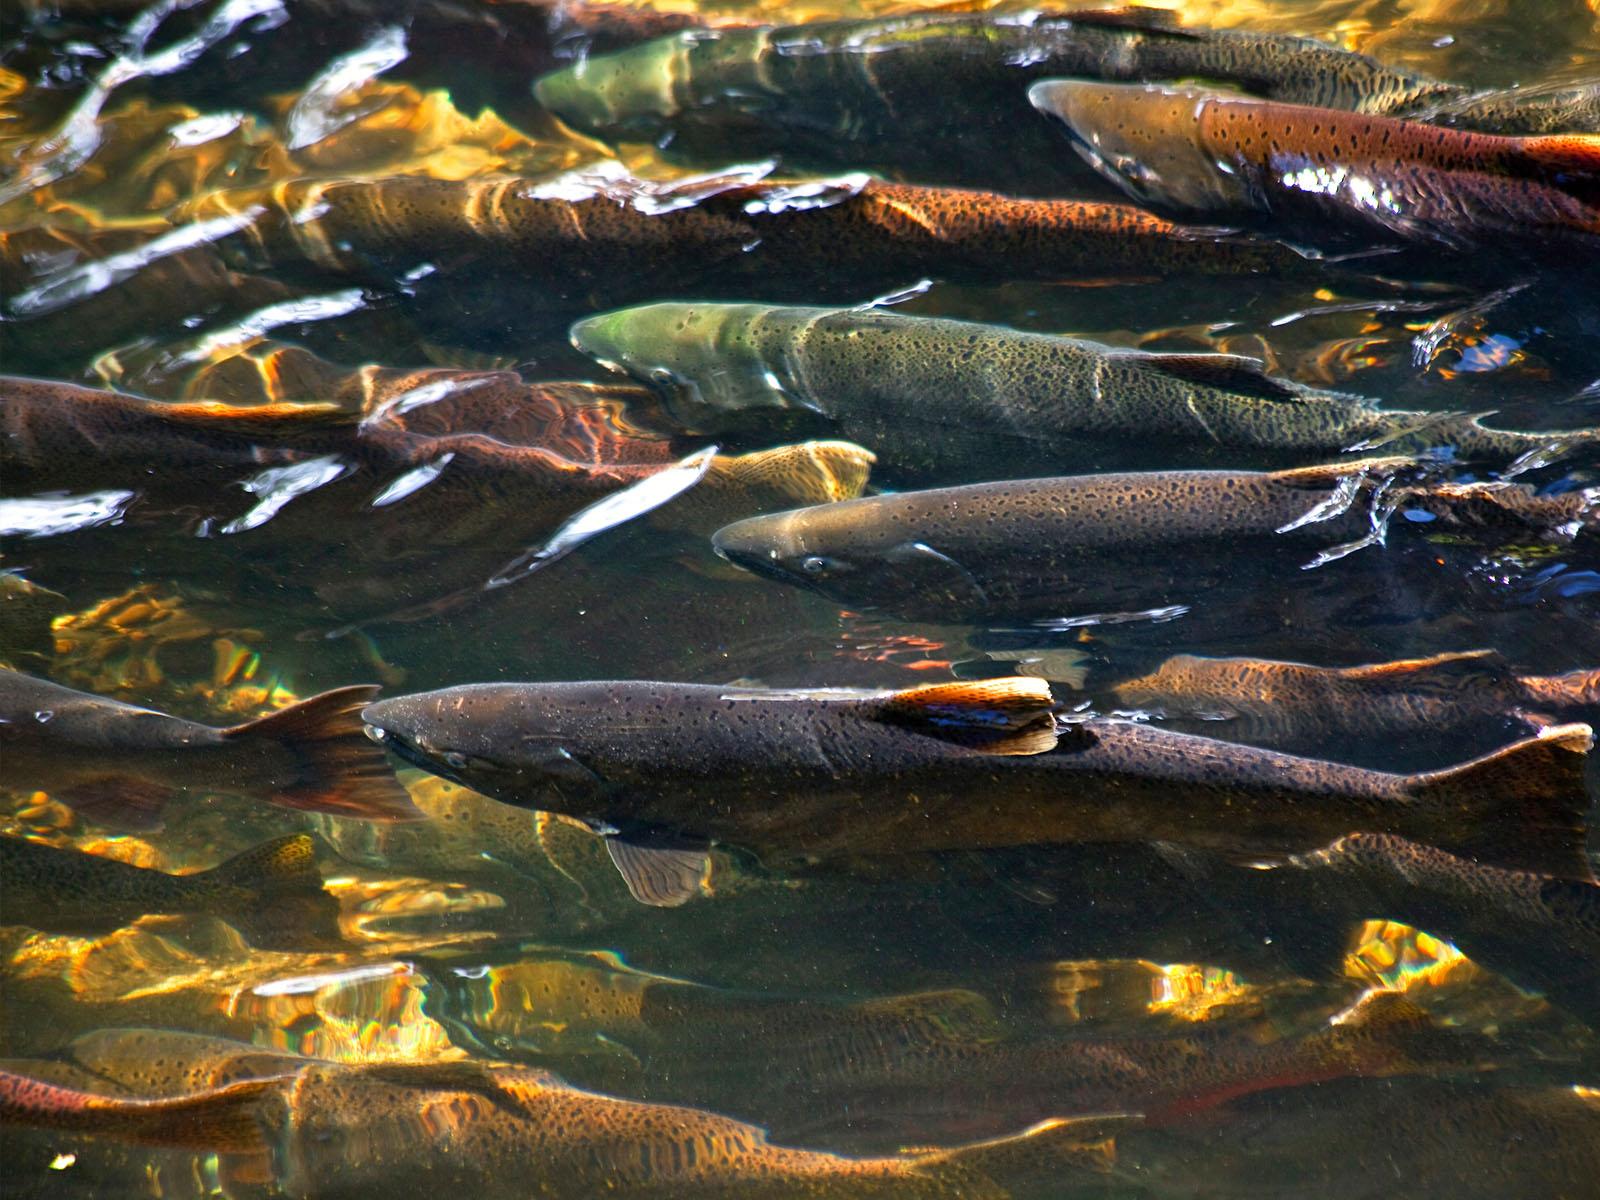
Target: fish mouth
408,749
756,559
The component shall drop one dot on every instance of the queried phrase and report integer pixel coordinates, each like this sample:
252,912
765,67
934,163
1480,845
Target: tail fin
1043,1152
273,894
1575,689
1522,807
342,772
222,1119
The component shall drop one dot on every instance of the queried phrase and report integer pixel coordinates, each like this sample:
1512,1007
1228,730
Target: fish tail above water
339,771
222,1119
1522,807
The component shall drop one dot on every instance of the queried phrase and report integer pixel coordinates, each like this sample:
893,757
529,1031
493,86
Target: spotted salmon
120,765
331,1129
913,387
1094,543
854,92
809,775
1298,705
575,244
1207,152
268,892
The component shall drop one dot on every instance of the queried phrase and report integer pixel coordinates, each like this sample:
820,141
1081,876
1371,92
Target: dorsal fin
1384,1010
1233,372
1132,16
1012,702
274,420
1451,672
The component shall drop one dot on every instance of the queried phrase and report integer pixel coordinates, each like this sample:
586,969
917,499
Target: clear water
922,1001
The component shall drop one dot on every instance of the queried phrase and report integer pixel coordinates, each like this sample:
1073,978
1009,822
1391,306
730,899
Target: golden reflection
1396,957
1119,989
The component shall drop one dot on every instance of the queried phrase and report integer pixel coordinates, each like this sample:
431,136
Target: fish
805,777
267,892
1292,705
1042,548
120,765
941,1061
912,387
578,244
853,92
1557,107
1207,152
1346,1139
331,1128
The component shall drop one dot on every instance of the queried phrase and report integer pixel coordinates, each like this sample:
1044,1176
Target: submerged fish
1215,153
121,765
910,386
1297,705
855,92
820,775
1475,1139
1546,108
573,245
1115,542
330,1129
268,892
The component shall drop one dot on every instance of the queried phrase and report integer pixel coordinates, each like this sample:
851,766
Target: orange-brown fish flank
1405,177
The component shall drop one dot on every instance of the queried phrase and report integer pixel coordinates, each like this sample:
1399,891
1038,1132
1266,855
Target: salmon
273,894
1123,542
668,768
1298,705
1205,152
921,390
120,765
854,92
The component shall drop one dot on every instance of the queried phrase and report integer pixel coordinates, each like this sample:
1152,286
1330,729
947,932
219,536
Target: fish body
1198,151
854,92
1525,111
332,1130
119,764
1094,543
1299,706
798,777
577,245
276,883
911,387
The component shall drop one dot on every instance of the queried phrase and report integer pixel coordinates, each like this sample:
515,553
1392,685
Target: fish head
1146,139
700,357
854,552
492,738
628,95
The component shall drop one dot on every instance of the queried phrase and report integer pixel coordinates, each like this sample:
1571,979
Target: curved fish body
332,1130
854,92
580,244
1299,706
1206,152
797,776
276,884
1549,108
1044,548
120,765
913,387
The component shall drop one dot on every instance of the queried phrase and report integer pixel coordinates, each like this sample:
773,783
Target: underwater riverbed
799,599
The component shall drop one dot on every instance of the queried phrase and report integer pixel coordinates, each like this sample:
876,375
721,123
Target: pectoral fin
662,877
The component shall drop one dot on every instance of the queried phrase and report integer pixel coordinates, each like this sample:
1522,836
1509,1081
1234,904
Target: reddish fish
1213,153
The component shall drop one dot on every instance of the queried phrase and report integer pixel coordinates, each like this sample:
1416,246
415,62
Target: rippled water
247,207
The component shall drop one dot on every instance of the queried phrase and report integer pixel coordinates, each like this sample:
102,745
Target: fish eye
454,758
814,564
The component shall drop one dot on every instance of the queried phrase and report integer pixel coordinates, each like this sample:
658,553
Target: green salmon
911,387
333,1130
120,765
798,776
1134,542
273,894
855,92
1208,152
1297,705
